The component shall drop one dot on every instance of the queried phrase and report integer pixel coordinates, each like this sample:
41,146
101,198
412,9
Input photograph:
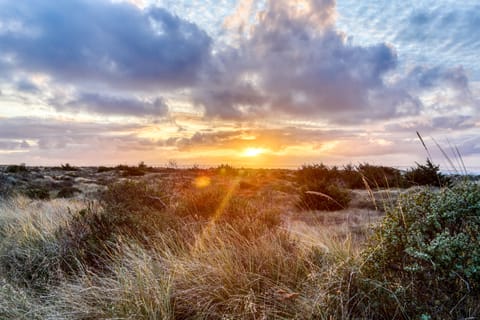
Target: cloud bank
272,68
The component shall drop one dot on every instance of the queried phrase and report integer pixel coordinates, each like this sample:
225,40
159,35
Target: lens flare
202,182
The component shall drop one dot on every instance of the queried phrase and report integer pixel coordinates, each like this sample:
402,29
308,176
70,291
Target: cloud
114,105
115,44
10,145
26,85
425,78
296,63
272,139
55,133
434,125
430,32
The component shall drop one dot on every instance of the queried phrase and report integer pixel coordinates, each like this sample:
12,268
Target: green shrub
426,175
425,257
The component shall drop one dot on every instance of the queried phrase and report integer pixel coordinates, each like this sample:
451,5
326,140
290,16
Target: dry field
224,243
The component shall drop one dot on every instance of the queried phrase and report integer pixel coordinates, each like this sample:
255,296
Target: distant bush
351,177
227,170
67,167
425,257
16,169
131,171
105,169
321,195
68,192
381,176
320,188
37,193
317,172
426,175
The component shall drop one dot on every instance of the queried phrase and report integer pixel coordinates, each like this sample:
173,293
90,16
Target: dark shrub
321,195
426,175
425,257
380,176
351,177
128,171
320,188
68,167
307,174
105,169
16,169
37,193
68,192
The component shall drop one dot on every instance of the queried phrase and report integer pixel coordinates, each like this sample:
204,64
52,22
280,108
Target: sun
253,152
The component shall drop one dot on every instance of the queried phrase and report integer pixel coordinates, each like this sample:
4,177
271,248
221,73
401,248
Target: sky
254,83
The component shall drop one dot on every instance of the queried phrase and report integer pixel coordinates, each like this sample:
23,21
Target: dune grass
146,252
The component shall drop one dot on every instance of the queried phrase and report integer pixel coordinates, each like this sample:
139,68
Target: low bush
322,195
68,192
381,176
37,193
17,169
68,167
425,256
426,175
321,188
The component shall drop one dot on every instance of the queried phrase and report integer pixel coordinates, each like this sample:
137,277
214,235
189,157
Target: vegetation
320,188
426,175
425,258
235,247
17,168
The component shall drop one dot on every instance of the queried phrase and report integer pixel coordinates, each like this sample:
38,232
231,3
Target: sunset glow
211,82
253,152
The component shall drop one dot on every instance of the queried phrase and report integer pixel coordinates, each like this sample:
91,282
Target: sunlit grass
199,244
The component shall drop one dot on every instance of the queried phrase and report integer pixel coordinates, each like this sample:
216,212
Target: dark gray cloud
298,64
115,105
434,125
116,44
49,133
